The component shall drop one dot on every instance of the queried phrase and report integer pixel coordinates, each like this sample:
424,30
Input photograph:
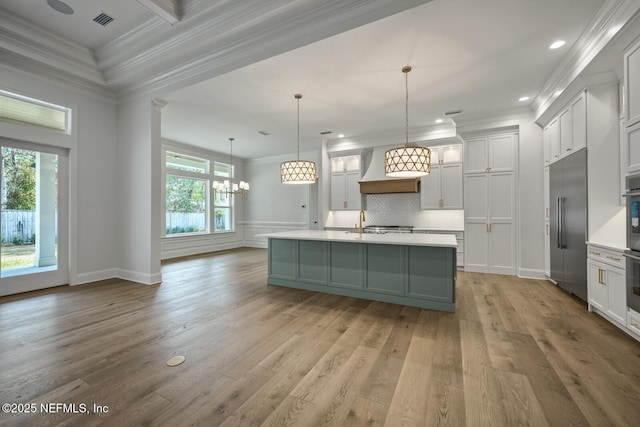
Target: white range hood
375,181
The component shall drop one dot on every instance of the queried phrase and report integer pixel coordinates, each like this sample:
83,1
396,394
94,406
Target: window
222,202
23,110
191,205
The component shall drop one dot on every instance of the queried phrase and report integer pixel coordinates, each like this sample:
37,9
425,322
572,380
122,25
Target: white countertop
444,240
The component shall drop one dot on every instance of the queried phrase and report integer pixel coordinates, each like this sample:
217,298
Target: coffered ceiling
231,68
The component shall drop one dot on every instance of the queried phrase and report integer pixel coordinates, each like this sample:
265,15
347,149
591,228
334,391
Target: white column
45,209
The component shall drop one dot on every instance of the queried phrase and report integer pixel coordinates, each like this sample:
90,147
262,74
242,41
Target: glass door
33,224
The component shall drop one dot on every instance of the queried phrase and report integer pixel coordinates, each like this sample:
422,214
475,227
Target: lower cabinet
419,276
607,284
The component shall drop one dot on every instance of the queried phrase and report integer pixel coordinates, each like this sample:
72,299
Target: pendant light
298,171
227,187
407,162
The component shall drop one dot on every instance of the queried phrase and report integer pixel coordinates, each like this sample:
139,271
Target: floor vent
103,19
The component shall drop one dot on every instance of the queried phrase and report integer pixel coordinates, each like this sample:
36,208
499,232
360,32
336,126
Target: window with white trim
23,110
191,205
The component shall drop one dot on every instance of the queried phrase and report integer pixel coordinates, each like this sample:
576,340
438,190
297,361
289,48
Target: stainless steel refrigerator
568,203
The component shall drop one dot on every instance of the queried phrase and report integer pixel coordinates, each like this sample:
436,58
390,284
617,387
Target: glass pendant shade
407,162
298,172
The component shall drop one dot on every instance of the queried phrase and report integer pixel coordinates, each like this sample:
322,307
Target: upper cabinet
345,190
442,188
567,132
632,84
493,153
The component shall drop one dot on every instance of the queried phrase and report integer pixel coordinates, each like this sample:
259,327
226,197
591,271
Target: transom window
23,110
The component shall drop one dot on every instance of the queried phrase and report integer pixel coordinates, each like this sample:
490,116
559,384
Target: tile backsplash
399,209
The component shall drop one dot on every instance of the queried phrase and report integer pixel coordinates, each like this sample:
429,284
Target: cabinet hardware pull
345,204
612,258
487,228
548,213
595,253
548,229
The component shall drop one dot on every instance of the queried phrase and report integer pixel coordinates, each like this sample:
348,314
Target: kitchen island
412,269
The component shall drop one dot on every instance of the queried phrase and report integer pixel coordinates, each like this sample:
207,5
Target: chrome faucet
361,221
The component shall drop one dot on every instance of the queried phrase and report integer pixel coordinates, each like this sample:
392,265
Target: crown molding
21,37
610,19
249,34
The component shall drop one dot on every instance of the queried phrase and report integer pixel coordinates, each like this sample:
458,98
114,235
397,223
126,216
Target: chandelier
407,161
298,171
227,187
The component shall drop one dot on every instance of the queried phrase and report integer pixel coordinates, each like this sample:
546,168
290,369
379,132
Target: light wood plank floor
516,352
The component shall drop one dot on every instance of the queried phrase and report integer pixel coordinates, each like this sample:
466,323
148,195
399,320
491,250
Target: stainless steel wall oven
633,242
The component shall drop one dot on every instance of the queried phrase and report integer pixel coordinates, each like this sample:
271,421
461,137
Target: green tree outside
19,167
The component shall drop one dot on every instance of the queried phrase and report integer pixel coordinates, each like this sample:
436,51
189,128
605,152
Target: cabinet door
501,215
632,144
430,194
632,84
475,247
353,197
546,141
502,153
617,295
451,154
566,132
597,287
476,226
338,191
547,249
579,123
554,136
451,186
501,248
475,155
547,212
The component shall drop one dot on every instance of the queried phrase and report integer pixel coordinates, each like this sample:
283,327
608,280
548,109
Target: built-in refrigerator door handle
559,214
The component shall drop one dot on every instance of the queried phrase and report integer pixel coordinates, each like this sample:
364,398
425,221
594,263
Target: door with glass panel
33,224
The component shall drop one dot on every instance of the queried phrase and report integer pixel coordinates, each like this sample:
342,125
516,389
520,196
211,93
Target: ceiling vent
103,19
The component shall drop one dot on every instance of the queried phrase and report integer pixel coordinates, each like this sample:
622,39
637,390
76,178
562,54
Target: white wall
273,206
94,202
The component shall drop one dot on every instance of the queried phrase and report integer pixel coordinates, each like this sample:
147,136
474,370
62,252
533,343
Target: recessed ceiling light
340,136
438,121
523,98
557,44
60,7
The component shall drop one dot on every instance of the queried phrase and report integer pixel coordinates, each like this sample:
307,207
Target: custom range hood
375,181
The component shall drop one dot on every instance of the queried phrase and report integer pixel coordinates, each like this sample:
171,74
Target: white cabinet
493,153
554,136
345,190
632,148
442,189
607,283
567,132
632,84
490,222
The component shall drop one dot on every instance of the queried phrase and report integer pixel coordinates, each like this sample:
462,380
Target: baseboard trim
530,273
138,277
95,276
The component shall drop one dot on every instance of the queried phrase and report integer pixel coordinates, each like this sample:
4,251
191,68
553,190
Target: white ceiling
479,56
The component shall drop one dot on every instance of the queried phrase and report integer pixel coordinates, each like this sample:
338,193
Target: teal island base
418,276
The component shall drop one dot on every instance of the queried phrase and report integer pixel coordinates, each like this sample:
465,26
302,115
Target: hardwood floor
516,352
